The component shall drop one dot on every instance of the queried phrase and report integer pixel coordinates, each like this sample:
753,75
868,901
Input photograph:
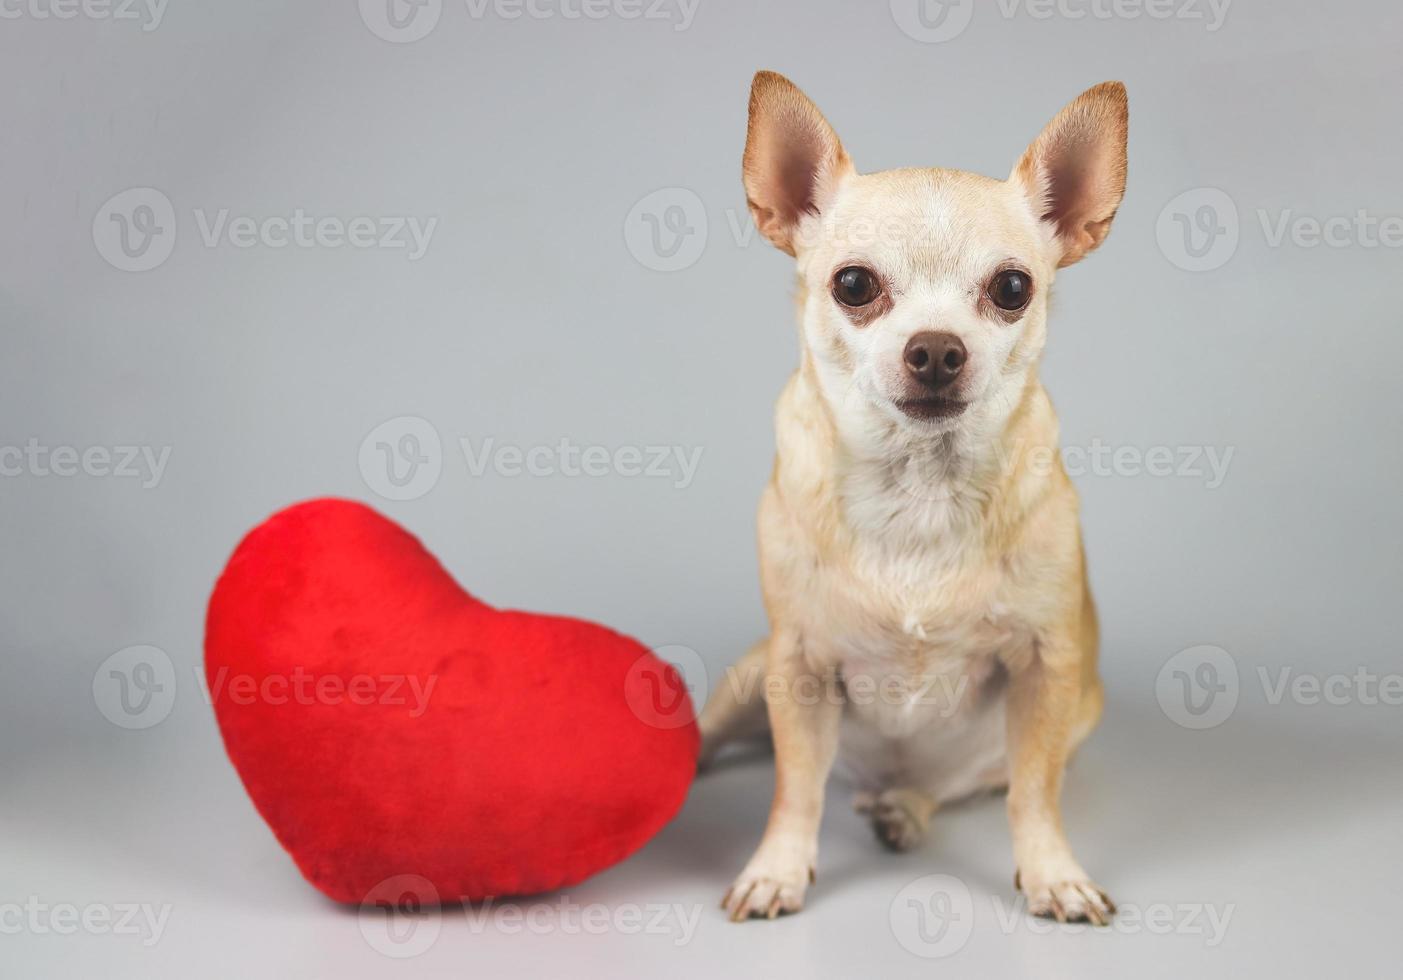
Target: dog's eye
1010,290
855,286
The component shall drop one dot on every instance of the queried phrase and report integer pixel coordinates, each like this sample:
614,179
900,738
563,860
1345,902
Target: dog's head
925,291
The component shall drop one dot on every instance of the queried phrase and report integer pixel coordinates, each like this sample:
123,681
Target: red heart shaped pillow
386,723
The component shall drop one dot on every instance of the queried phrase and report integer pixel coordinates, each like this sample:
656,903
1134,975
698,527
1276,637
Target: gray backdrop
179,360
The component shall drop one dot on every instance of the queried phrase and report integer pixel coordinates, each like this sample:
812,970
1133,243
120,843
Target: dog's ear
1074,172
793,160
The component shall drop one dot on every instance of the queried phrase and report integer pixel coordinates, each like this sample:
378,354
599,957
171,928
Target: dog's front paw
767,889
1070,898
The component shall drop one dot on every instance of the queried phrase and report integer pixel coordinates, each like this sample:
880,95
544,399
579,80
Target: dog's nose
934,359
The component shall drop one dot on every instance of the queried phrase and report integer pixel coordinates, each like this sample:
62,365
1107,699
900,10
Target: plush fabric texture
386,723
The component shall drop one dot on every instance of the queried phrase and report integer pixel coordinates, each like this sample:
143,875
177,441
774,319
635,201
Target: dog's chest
920,647
918,635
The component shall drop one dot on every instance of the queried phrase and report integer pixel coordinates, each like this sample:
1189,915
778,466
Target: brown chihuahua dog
920,546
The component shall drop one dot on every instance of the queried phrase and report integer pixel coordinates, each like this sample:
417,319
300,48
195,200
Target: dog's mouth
933,407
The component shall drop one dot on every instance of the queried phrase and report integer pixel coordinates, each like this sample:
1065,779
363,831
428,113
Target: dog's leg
1044,702
736,708
805,714
899,816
